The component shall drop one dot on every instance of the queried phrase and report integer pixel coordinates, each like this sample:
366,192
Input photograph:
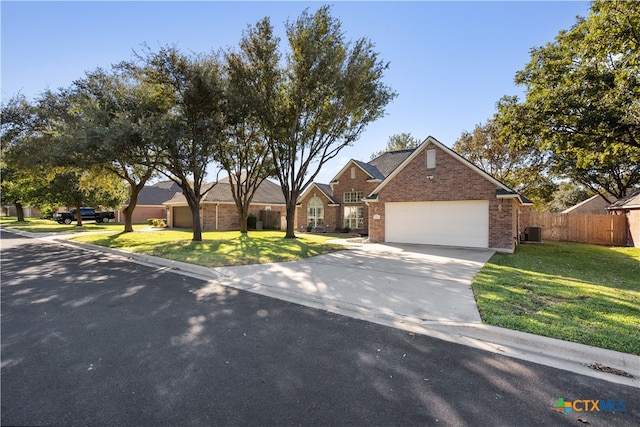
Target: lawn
582,293
217,248
50,226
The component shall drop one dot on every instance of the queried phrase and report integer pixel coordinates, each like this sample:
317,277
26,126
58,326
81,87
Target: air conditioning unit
533,234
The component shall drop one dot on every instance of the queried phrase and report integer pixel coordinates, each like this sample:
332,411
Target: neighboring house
427,195
29,212
630,207
219,210
594,205
150,202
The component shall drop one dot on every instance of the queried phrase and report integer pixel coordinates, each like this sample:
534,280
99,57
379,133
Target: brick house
219,210
150,202
427,195
630,207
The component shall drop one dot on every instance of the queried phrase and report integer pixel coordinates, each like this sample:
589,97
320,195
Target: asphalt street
92,339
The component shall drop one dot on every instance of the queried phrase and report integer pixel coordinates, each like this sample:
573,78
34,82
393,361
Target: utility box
533,234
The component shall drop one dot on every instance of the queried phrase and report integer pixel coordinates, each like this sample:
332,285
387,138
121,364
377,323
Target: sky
449,62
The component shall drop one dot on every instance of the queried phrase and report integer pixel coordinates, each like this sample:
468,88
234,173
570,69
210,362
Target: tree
521,167
330,91
583,99
122,119
567,195
193,135
19,185
397,142
252,77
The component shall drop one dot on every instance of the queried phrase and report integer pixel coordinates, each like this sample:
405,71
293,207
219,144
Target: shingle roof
370,169
267,193
389,161
156,194
630,201
326,189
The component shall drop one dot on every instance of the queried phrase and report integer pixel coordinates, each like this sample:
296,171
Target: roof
389,161
502,189
324,189
632,201
156,194
593,205
268,193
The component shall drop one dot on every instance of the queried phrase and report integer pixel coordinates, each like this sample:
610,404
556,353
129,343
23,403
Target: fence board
596,229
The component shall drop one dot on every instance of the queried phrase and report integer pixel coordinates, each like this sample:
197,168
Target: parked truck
88,214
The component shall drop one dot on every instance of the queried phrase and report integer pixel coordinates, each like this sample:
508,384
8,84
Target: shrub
309,228
252,221
150,221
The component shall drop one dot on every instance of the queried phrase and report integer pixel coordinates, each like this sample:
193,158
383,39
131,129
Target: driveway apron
420,283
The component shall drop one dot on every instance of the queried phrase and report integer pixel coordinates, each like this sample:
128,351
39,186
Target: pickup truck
87,214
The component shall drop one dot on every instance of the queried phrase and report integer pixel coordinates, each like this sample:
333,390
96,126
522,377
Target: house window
431,159
353,197
354,217
315,213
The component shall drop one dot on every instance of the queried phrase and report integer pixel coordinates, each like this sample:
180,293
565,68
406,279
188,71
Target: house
150,202
219,210
630,207
427,195
594,205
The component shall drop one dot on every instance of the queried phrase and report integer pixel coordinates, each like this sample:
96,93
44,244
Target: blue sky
450,62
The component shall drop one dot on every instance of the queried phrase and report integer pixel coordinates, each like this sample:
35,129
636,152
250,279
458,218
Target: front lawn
218,248
575,292
34,225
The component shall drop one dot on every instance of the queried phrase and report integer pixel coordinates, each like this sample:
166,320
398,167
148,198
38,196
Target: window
354,217
431,159
353,197
315,213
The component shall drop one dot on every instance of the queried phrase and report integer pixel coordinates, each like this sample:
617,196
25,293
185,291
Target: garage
182,217
449,223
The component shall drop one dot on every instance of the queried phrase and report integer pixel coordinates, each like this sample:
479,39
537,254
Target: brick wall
331,213
227,215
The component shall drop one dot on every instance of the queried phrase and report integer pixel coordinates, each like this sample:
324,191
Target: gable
323,189
371,171
454,175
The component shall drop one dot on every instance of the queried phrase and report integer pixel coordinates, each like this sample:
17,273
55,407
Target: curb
556,353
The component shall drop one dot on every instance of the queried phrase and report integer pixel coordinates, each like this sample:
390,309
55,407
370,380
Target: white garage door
455,223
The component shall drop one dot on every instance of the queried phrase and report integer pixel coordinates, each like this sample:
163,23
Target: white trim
337,181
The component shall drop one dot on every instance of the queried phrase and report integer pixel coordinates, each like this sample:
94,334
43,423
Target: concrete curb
552,352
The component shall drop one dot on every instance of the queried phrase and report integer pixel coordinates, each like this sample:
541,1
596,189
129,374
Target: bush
155,222
150,221
252,221
346,230
309,228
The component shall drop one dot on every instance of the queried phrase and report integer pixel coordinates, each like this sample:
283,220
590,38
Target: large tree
122,120
193,136
523,168
397,142
252,78
583,98
331,89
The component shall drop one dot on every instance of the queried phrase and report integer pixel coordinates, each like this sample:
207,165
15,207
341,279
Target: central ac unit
533,234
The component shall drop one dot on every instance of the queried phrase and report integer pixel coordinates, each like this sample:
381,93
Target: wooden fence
596,229
270,220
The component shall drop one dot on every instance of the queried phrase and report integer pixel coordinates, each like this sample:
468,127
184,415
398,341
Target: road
92,339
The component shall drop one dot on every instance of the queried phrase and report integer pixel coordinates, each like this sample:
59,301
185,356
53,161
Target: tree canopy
397,142
582,99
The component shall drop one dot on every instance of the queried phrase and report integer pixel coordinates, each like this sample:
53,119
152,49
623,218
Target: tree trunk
19,211
197,229
291,215
243,214
78,216
128,211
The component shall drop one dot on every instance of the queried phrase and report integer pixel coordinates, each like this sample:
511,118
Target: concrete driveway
422,284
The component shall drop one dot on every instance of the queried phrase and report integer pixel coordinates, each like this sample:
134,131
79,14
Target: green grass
50,226
217,248
582,293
